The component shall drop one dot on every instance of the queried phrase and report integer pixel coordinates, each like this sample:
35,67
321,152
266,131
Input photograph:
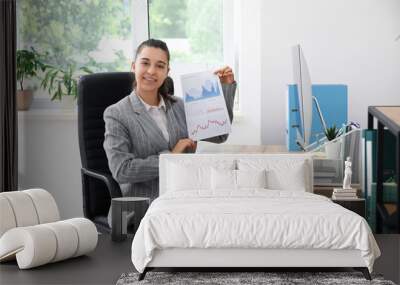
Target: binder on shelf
369,170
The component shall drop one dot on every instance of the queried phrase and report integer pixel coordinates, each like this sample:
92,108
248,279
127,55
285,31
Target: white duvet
250,219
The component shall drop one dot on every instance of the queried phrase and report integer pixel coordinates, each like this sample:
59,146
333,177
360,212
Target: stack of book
343,194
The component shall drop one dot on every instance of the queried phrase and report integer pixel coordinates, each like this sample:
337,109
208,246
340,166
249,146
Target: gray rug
229,278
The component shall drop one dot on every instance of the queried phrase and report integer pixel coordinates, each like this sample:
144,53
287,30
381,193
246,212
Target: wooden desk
226,148
389,117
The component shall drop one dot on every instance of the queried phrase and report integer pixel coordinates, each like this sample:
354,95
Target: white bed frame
251,258
234,257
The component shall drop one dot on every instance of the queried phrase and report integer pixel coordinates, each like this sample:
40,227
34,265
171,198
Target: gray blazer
133,141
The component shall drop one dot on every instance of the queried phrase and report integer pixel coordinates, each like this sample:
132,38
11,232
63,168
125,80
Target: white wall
246,128
49,157
349,42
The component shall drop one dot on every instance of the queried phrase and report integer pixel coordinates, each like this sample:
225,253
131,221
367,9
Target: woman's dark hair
167,86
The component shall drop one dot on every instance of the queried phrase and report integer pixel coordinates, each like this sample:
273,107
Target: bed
247,210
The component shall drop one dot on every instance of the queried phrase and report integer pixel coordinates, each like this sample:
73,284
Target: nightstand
357,205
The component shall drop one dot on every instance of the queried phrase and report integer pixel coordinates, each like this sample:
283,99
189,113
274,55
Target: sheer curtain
8,110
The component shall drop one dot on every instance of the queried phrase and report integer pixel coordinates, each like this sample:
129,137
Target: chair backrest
95,93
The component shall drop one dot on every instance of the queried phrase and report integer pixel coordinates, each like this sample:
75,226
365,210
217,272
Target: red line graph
206,126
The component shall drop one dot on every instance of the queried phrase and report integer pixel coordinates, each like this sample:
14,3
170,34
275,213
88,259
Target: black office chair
95,93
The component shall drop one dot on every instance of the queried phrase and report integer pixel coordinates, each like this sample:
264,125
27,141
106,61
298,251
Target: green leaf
45,80
28,63
332,133
75,89
59,91
53,97
86,69
53,76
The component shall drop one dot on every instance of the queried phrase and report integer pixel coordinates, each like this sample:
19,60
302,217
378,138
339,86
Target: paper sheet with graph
205,107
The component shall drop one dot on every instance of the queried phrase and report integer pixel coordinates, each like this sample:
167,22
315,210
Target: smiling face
151,69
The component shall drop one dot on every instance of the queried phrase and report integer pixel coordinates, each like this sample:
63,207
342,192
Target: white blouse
157,113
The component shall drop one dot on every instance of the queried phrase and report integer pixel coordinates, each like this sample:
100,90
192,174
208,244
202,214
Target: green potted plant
28,64
332,133
332,147
62,83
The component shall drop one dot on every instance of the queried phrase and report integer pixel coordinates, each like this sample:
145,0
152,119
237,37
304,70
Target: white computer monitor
302,80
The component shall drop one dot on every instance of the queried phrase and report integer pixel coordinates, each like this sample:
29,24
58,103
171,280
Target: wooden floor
102,266
110,260
389,262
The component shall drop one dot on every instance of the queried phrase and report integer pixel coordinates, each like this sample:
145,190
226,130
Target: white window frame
140,23
231,10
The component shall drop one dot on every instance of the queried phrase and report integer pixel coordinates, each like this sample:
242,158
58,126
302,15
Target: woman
149,122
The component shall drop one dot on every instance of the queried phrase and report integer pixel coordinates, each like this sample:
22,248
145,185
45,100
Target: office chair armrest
112,185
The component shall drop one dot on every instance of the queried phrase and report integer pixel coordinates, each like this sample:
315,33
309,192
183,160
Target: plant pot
332,149
68,102
24,99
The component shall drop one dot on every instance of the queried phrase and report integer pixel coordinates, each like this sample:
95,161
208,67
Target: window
103,34
192,29
71,34
94,33
197,32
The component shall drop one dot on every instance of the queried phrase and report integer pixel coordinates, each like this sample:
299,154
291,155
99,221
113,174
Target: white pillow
226,179
223,179
293,179
189,175
251,178
282,174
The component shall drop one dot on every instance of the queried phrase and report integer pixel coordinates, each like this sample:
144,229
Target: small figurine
347,174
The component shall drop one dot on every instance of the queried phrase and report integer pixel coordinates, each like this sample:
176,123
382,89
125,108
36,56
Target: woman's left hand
225,75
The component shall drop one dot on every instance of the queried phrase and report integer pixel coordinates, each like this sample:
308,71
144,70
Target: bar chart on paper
205,107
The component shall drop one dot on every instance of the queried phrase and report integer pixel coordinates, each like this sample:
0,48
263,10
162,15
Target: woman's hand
183,144
225,75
